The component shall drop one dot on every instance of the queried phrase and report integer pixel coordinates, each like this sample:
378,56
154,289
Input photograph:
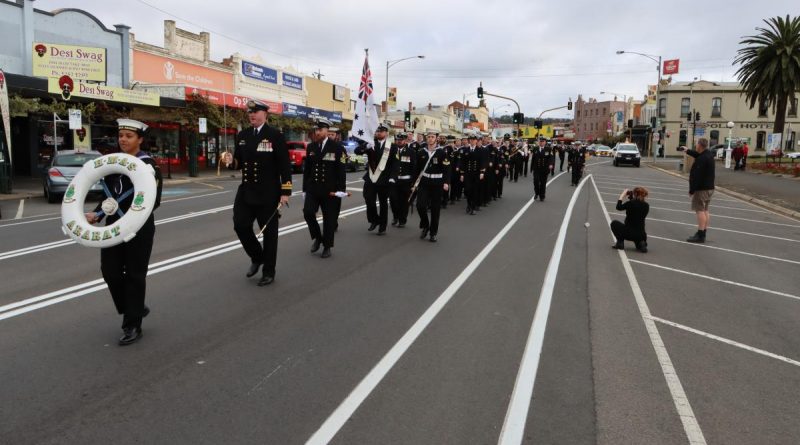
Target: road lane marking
715,215
740,252
719,280
715,228
349,405
713,206
519,405
642,180
682,195
51,298
726,341
212,185
681,402
20,209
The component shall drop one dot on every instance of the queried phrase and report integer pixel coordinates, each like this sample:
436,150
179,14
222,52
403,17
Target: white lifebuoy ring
73,219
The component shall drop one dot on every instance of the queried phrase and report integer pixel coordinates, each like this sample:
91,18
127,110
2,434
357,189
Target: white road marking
682,405
20,209
723,249
355,189
627,184
719,280
727,341
644,181
715,228
713,206
519,405
345,410
714,215
682,195
195,197
51,298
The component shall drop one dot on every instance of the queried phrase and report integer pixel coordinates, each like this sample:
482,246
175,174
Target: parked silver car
62,168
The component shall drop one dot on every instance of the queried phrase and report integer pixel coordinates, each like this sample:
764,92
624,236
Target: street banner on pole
74,118
365,119
651,94
392,97
672,66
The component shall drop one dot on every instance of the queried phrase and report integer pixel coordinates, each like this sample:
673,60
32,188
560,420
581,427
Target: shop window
790,141
716,107
682,138
761,138
714,137
662,107
793,108
685,104
762,108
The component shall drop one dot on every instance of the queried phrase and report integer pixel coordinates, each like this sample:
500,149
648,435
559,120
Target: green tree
770,66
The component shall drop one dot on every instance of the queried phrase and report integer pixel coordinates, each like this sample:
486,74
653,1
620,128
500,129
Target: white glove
391,181
341,194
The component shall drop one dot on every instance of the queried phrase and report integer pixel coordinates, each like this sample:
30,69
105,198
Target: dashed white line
727,341
719,280
682,405
713,206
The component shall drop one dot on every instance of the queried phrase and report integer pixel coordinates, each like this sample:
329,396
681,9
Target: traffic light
480,92
696,116
537,124
689,117
407,117
569,105
517,118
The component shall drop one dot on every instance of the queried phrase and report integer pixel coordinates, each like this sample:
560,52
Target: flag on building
671,66
365,119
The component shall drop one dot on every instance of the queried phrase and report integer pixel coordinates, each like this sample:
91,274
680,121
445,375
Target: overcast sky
539,52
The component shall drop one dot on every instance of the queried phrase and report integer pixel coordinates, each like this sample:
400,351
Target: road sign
699,131
203,124
75,119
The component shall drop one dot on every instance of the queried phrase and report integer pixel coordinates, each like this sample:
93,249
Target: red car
297,154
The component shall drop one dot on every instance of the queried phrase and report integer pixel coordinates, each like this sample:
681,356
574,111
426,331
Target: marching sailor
542,163
324,183
262,156
401,190
433,179
125,265
381,172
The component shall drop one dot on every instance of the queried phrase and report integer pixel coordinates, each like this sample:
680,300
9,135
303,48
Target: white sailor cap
133,125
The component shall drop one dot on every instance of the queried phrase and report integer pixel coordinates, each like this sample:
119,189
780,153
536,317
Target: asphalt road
521,325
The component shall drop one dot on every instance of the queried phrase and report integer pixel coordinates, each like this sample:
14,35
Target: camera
630,194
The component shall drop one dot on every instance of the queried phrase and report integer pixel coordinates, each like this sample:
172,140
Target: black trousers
124,269
540,181
314,201
518,168
498,184
577,173
512,170
525,166
623,232
429,196
398,198
381,193
456,187
243,216
561,163
489,185
472,183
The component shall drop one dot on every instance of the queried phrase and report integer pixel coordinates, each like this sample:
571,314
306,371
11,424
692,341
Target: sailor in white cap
124,266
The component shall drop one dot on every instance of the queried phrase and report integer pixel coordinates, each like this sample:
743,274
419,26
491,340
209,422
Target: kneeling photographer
636,209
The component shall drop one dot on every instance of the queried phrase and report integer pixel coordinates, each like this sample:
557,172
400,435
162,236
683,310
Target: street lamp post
389,64
658,85
728,150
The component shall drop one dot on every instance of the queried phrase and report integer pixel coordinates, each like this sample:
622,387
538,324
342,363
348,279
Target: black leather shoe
372,227
315,246
130,336
641,246
433,238
382,231
401,225
265,280
253,269
394,222
618,246
326,252
697,238
469,210
145,312
541,198
424,234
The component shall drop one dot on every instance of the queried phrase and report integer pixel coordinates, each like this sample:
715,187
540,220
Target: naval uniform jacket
543,158
472,161
119,184
437,171
324,170
374,155
263,159
407,165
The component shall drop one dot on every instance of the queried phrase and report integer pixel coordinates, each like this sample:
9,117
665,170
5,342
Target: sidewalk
27,187
781,194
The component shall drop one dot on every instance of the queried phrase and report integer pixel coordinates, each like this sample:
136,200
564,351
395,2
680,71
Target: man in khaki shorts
701,187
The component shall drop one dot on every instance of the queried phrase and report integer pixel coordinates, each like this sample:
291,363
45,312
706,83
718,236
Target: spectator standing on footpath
701,187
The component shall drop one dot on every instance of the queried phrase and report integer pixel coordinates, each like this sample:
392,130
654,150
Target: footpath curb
759,202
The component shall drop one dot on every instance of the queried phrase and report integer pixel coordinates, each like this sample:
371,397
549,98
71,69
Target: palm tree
770,66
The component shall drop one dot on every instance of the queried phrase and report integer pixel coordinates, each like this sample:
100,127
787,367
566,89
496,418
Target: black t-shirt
635,213
701,176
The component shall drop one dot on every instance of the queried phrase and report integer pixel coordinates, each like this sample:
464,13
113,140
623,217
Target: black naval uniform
542,162
472,165
456,186
324,175
448,150
526,156
379,189
436,173
561,156
125,265
266,176
491,177
502,168
401,191
577,160
518,159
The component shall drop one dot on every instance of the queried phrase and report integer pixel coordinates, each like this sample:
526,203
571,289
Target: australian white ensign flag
365,120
